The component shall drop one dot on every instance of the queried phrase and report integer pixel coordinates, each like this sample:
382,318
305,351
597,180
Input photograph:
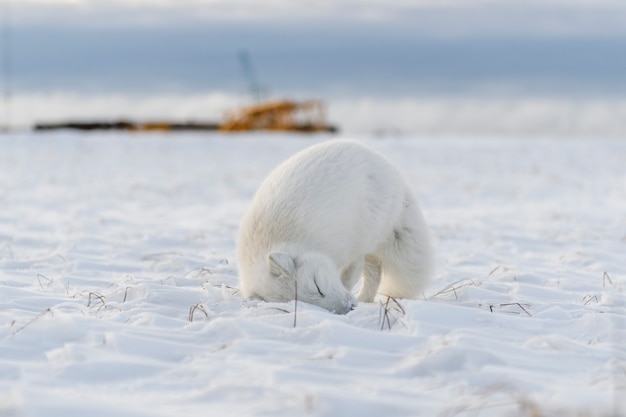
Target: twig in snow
195,308
125,294
606,278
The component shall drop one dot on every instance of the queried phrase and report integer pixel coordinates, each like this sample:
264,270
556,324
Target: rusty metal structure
280,115
157,126
275,115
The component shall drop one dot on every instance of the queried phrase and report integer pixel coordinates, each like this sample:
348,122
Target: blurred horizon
130,58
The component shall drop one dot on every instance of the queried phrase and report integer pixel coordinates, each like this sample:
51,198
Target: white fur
323,218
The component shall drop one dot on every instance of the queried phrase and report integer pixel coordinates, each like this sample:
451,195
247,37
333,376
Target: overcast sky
367,47
441,17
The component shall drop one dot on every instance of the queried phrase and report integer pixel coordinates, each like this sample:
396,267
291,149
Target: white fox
323,218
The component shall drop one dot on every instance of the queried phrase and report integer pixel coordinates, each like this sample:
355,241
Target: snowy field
118,284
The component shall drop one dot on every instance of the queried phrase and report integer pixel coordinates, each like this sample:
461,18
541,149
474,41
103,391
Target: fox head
315,278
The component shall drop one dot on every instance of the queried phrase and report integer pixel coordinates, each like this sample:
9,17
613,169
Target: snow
118,284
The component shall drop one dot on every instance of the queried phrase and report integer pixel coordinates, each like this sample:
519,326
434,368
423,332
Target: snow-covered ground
118,284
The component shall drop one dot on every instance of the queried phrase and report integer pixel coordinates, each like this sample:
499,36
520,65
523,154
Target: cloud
429,17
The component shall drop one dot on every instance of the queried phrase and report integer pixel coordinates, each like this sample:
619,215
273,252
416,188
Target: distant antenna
6,64
248,70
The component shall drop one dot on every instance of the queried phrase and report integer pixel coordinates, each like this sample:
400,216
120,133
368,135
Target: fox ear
281,264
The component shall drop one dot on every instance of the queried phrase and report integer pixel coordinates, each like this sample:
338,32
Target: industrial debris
280,115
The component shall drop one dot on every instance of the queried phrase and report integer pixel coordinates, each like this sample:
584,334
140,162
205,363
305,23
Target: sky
423,18
341,47
444,17
367,49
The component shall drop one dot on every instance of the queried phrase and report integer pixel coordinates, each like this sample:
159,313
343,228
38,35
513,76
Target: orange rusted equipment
284,115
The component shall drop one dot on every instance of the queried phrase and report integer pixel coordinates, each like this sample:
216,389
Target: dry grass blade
41,277
398,306
160,256
452,288
493,270
385,313
282,310
199,272
194,308
7,248
384,308
96,300
295,307
234,290
589,298
492,398
171,279
62,257
31,321
521,306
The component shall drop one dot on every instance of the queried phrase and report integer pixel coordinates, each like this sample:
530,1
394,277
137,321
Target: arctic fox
323,218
